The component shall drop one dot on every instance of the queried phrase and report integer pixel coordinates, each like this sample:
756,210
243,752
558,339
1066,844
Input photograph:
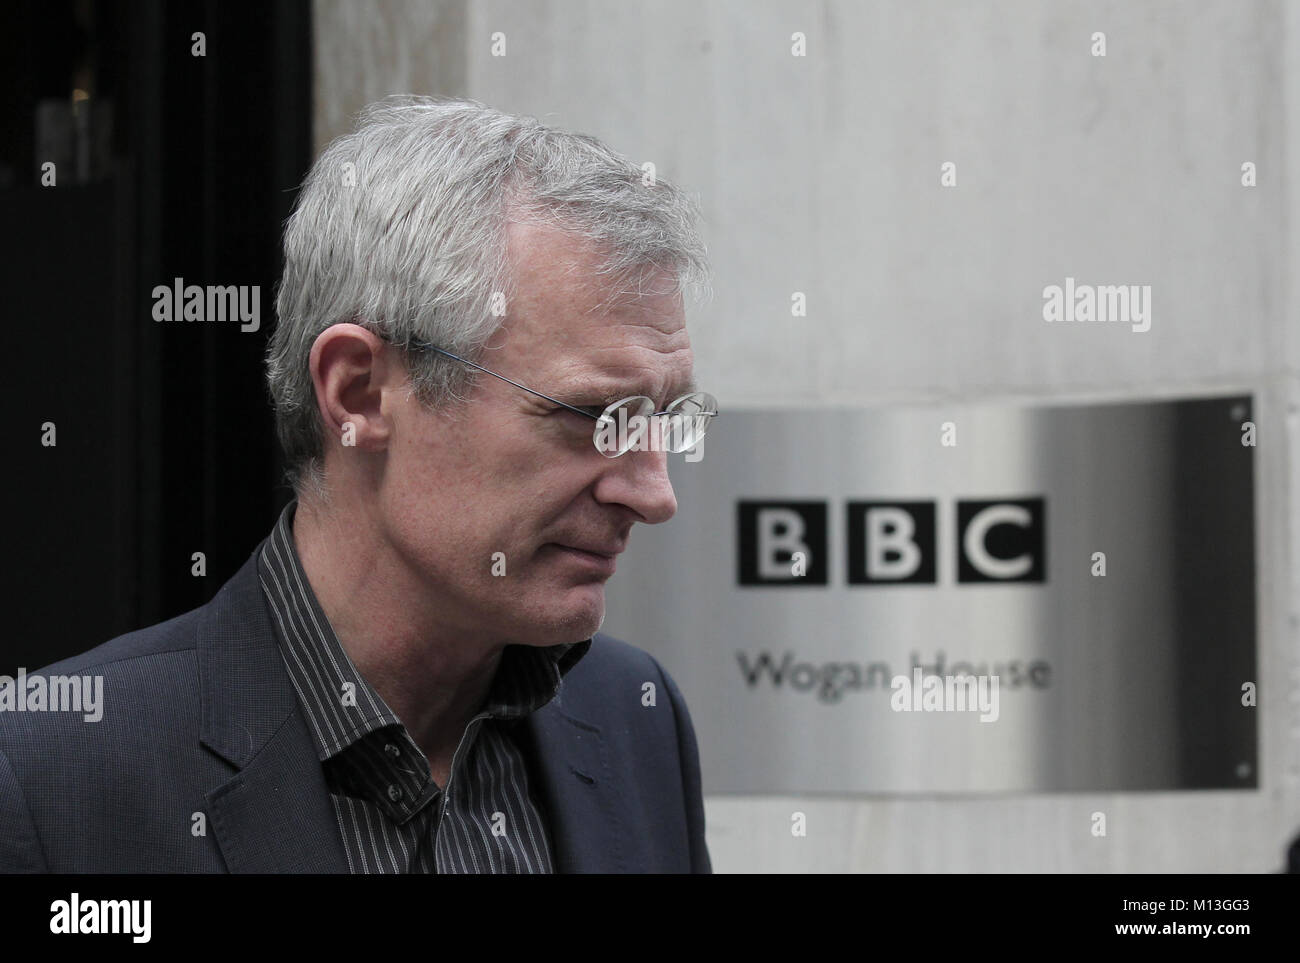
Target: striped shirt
393,817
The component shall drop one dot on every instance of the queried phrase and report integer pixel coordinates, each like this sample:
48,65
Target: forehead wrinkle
627,369
613,389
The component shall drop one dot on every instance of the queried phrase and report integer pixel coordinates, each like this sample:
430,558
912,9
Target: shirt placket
442,847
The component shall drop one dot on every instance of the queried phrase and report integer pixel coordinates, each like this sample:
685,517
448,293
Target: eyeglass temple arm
424,345
429,347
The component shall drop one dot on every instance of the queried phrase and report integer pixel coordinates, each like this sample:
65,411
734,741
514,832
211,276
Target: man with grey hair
406,675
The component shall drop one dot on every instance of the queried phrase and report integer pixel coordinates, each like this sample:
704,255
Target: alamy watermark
215,302
130,917
672,432
947,693
55,693
1104,303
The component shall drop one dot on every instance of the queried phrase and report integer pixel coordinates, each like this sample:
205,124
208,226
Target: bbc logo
891,543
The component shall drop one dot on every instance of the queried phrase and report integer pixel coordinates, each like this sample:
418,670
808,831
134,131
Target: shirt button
394,793
392,750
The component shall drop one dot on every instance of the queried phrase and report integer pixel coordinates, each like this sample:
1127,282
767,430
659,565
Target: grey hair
400,227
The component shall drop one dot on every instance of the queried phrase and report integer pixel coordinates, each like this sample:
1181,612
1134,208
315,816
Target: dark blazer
199,717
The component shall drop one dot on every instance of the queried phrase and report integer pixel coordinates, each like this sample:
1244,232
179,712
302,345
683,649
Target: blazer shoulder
147,674
176,634
613,666
613,663
608,654
240,597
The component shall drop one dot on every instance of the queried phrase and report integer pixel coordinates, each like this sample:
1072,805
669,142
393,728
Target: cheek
533,465
488,481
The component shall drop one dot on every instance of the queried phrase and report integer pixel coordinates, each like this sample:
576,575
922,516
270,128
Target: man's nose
639,480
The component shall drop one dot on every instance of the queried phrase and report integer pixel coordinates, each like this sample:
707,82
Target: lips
601,564
603,551
607,549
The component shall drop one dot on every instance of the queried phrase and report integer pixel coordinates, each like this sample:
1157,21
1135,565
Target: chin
580,619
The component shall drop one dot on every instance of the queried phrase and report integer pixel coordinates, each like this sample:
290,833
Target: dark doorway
131,155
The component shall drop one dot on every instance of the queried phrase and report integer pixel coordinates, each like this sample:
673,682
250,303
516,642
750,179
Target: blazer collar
275,814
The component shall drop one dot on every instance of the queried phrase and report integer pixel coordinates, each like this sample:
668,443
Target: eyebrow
611,391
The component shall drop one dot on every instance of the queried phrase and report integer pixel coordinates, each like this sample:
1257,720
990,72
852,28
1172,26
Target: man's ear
350,369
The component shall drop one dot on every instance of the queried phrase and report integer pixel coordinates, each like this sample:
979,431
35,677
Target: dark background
165,439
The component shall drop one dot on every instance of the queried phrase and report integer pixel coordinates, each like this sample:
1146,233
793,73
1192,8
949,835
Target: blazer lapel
568,759
275,814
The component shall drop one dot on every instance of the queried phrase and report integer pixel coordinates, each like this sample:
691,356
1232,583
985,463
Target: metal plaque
959,600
